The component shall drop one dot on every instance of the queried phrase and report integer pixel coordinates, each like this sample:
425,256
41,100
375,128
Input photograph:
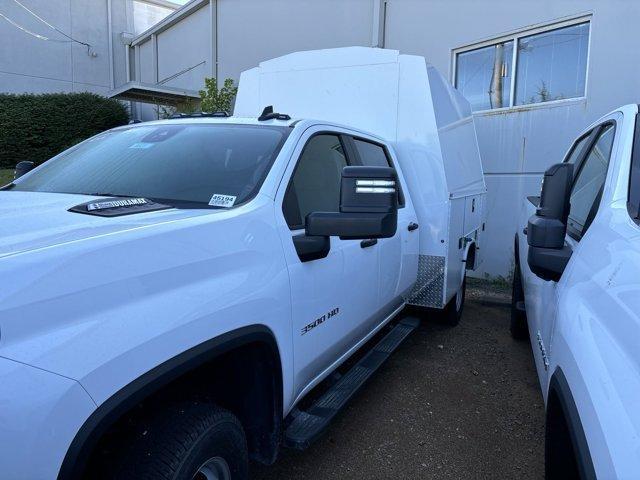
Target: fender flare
560,386
470,249
75,460
516,248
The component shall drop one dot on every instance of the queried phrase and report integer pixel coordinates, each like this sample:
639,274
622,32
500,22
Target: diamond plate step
308,425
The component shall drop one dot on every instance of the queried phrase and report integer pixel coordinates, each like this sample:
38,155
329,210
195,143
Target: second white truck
576,296
173,290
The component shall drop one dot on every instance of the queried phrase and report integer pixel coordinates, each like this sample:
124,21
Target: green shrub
216,99
37,127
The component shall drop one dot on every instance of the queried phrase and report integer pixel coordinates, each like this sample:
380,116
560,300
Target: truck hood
34,220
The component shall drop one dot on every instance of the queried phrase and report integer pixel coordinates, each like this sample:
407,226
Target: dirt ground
458,403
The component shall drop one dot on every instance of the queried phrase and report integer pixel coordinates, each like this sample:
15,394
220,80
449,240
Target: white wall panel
36,65
251,31
183,46
146,63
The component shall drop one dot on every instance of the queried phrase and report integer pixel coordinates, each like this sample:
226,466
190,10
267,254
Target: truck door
398,254
334,297
590,156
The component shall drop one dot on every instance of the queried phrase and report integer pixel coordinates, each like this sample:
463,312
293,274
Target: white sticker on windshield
225,201
142,145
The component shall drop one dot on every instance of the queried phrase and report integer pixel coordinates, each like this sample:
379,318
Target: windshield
209,164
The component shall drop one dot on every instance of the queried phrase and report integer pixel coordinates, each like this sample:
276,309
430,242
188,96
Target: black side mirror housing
22,168
368,206
548,256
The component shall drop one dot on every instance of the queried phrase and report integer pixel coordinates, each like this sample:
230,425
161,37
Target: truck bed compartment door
473,213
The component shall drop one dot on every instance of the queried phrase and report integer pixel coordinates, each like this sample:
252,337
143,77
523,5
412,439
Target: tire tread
164,443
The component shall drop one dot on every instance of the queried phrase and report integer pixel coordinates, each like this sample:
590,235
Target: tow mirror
22,168
548,256
368,206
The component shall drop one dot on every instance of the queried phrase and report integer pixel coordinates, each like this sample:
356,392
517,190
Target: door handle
368,243
412,226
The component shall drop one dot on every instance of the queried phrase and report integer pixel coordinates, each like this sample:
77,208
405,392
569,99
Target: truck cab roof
302,123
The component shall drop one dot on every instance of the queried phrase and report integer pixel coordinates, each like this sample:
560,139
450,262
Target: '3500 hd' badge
320,320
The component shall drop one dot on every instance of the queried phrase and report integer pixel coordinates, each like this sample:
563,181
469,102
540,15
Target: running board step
308,425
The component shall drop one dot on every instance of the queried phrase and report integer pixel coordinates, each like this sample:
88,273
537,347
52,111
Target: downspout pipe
112,78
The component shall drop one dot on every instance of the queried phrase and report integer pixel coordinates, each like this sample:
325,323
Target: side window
589,181
315,186
633,204
372,155
577,148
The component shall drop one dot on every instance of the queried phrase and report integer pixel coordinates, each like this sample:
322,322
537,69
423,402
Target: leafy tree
215,99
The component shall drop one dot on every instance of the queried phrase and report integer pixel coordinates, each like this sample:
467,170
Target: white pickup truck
172,290
577,270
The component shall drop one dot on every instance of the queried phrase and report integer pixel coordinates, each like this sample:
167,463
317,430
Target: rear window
372,155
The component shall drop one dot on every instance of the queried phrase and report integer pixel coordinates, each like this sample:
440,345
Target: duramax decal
320,320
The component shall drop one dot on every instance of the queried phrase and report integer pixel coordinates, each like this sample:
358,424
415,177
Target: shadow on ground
459,403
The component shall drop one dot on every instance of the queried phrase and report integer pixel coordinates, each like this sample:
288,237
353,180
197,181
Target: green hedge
37,127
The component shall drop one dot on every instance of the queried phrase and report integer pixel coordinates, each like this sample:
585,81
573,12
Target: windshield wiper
107,194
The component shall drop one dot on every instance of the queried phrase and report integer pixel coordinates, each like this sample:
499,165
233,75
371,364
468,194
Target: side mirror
22,168
368,206
548,256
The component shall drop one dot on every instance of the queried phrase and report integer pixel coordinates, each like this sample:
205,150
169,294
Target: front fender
89,433
104,311
584,354
40,412
559,388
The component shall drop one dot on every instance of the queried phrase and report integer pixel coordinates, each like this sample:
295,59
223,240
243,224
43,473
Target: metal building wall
224,37
30,64
517,145
250,31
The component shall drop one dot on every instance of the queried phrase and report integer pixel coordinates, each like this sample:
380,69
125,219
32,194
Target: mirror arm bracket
549,263
311,247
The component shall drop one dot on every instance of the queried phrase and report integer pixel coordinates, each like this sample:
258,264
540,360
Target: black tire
177,441
518,326
452,312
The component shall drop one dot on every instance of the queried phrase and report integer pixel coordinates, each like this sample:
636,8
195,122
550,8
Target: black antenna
268,114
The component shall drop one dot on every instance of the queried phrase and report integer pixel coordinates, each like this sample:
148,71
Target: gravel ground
459,403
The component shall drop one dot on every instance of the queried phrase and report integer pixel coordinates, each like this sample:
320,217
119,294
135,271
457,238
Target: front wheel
188,441
452,312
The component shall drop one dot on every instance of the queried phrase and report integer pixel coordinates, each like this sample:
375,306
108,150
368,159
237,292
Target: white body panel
41,414
94,303
132,315
588,324
126,294
409,105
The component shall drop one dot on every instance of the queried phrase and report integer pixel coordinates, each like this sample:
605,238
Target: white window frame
515,37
